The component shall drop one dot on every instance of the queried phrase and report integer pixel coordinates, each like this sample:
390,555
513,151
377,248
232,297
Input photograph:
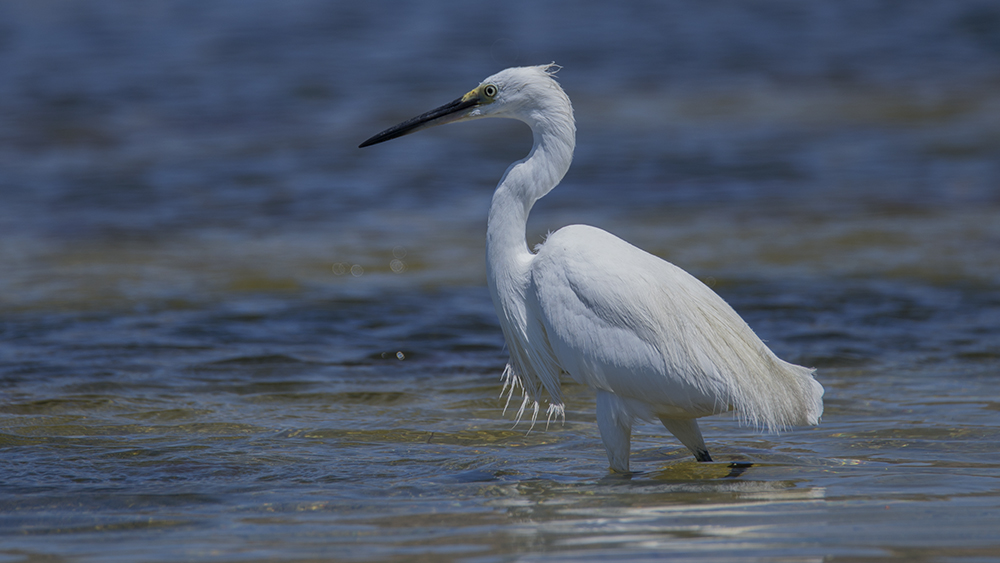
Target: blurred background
228,333
153,150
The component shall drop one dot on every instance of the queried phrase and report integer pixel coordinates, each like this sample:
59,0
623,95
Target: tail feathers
746,376
789,396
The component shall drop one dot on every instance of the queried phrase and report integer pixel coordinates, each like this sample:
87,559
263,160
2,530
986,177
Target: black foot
702,455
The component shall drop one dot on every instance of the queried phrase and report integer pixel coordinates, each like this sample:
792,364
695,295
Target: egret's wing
622,320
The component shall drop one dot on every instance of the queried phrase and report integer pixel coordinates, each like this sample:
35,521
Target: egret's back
624,321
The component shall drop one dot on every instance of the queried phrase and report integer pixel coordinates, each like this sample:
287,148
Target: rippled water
227,334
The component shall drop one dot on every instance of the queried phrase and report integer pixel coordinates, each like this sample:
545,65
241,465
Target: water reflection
650,516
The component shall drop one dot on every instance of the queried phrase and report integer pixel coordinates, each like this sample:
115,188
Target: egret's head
509,93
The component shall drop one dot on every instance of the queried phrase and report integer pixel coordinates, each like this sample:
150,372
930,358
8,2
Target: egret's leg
686,430
616,429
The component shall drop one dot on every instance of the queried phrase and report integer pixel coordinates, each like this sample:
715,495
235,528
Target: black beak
444,114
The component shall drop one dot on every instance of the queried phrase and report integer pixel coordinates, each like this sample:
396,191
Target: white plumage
649,338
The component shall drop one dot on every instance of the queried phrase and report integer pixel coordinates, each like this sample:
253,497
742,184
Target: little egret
649,338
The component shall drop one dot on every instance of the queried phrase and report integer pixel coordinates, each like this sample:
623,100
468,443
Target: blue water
227,334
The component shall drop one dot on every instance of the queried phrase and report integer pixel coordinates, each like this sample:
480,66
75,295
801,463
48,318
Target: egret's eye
489,90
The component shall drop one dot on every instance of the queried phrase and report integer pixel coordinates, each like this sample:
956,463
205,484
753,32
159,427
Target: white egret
649,338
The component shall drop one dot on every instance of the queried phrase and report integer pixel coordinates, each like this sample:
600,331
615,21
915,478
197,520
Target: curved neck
524,183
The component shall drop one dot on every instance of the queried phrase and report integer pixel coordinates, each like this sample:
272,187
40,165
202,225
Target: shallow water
227,334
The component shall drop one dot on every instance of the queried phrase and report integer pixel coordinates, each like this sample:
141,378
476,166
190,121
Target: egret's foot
702,455
738,468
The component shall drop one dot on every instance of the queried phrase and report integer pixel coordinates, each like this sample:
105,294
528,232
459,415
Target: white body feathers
650,339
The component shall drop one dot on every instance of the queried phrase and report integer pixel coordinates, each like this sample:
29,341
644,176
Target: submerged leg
686,430
616,430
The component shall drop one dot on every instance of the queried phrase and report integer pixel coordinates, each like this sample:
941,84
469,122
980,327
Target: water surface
227,334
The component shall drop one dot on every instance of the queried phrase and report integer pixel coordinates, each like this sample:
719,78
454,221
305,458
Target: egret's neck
507,254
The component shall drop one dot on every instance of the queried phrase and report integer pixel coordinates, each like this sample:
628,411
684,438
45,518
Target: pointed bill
448,113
